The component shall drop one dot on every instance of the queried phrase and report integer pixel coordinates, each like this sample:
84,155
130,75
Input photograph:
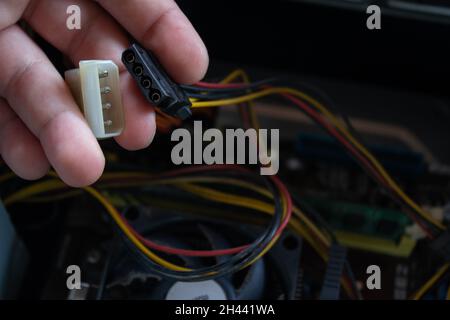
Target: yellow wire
116,216
55,185
233,75
215,195
52,185
430,282
337,123
53,198
269,195
239,73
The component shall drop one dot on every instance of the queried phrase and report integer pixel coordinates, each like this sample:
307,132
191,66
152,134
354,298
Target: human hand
40,124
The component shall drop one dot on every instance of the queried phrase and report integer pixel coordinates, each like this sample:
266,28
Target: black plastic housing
154,83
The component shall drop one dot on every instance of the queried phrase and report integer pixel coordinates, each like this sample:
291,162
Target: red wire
212,253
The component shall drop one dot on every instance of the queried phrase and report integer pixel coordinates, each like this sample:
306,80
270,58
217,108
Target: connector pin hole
107,106
155,96
108,123
138,70
146,83
129,57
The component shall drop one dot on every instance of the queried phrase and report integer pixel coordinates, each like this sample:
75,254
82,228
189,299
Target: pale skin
41,127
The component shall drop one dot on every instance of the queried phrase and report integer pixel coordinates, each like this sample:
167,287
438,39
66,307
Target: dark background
399,74
326,41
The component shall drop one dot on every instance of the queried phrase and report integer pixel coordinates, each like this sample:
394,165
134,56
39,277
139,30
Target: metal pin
103,74
108,123
107,106
105,90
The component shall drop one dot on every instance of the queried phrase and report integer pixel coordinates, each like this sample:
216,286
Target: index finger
160,26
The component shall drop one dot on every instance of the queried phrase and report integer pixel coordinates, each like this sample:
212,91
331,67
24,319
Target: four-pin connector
96,89
157,87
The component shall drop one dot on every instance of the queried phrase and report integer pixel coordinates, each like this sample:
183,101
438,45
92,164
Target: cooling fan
273,277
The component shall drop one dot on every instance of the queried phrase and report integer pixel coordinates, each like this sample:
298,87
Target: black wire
214,96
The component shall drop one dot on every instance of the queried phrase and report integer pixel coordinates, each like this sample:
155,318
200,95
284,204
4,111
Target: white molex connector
96,89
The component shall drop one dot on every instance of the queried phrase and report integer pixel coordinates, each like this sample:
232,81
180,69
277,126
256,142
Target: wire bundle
244,255
206,94
183,178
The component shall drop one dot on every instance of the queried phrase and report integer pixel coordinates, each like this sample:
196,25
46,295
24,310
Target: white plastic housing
96,89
